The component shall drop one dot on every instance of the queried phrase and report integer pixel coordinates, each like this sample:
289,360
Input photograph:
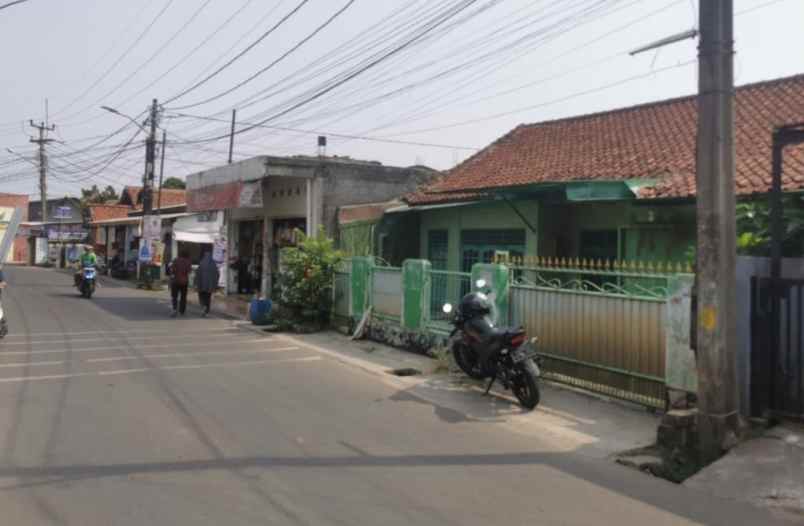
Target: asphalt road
111,413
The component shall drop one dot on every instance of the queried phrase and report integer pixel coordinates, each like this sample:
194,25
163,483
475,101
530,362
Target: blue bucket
259,310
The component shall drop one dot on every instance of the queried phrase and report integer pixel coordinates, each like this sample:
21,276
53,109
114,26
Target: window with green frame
480,246
438,248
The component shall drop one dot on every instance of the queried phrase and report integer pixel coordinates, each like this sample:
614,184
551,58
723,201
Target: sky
402,82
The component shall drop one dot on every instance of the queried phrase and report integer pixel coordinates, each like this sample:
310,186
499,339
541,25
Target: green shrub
307,274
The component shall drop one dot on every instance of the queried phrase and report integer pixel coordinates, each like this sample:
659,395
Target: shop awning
198,228
194,237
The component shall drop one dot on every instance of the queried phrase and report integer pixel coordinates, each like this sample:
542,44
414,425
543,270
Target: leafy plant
307,274
754,227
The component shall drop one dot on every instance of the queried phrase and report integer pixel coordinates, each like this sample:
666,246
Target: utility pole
161,174
150,161
42,141
231,136
716,334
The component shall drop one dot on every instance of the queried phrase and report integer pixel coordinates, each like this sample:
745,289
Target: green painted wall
480,216
646,232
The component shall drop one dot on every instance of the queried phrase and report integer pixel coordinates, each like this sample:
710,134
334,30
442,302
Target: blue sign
145,252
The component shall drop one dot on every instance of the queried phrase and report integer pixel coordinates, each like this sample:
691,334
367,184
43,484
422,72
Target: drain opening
406,371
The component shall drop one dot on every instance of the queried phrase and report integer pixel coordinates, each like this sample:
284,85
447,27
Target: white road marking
85,340
224,343
116,332
165,368
170,355
32,364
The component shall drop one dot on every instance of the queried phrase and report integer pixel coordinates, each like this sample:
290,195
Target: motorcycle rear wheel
467,361
525,385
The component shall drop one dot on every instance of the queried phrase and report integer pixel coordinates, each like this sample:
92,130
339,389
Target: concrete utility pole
150,161
717,387
161,173
42,141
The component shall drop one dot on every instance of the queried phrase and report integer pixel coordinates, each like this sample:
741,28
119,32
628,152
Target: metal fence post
415,294
361,276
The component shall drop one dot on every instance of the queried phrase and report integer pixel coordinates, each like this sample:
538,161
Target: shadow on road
655,492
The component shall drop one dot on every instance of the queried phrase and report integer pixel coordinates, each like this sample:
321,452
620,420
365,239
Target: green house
616,185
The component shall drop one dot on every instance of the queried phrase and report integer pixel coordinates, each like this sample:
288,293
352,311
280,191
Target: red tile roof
102,212
650,141
171,197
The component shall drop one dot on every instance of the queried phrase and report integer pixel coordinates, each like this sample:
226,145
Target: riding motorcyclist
87,260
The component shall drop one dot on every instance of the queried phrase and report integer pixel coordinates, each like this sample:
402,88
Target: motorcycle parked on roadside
86,283
483,351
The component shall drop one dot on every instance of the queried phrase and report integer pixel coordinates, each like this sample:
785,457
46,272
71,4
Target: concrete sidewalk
569,419
767,471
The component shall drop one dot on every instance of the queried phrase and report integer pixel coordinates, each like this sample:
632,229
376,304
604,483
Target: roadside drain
406,371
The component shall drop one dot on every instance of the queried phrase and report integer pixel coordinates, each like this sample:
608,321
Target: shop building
266,199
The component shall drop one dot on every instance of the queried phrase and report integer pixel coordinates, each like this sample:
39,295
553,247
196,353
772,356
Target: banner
145,252
157,252
219,251
152,227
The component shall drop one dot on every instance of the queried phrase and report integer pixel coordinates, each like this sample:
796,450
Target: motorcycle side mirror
480,283
447,308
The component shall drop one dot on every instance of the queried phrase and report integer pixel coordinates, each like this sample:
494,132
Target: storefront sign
251,195
157,252
67,233
63,212
214,197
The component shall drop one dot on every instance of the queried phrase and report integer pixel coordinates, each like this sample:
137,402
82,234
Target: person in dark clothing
180,269
206,281
243,282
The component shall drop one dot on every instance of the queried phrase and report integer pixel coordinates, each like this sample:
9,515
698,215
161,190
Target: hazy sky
391,70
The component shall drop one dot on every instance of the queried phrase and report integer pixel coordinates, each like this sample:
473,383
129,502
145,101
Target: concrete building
266,199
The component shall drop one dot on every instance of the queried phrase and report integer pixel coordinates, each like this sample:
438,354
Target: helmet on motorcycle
475,304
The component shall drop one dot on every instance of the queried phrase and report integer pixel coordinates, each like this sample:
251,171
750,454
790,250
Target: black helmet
475,304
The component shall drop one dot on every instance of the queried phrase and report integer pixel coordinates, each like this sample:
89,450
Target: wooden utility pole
716,255
42,140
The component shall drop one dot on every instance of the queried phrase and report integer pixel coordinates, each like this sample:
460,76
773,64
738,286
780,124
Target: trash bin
259,311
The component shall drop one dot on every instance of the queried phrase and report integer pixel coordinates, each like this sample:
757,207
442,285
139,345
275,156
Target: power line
434,24
118,61
545,104
275,62
190,53
15,2
239,55
329,134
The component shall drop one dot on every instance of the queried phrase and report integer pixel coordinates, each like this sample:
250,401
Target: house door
480,246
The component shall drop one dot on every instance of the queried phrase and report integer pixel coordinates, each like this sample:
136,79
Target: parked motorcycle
86,285
483,351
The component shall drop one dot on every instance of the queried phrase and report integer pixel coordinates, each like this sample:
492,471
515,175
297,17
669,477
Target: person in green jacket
87,259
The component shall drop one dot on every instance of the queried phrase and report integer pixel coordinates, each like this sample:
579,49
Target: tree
174,183
94,195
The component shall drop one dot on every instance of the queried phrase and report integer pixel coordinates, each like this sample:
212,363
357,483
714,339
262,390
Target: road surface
112,413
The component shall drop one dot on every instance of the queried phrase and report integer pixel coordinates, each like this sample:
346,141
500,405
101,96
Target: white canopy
198,228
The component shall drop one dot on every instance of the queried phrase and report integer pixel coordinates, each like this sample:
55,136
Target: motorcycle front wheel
467,360
525,384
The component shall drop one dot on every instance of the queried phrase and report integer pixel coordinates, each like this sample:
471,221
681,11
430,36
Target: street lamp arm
116,112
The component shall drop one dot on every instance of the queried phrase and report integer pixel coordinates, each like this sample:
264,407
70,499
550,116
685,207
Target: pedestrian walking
179,270
206,281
